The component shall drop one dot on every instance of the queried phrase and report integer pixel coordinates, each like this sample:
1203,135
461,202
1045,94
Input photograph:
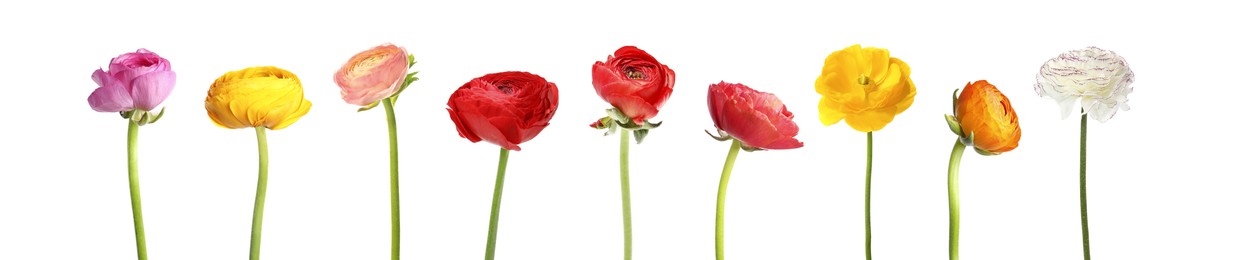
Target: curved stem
494,205
627,201
868,184
1083,183
726,177
135,193
255,235
952,184
395,179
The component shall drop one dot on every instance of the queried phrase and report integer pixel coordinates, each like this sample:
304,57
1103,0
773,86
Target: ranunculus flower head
257,96
505,108
1098,78
634,82
372,75
984,119
865,86
138,80
758,119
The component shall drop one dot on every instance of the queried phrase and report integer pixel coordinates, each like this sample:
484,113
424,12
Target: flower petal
871,120
110,99
150,90
827,114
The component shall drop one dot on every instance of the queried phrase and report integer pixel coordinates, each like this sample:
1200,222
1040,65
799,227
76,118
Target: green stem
726,177
135,193
868,184
952,184
1083,183
627,200
255,235
395,179
494,206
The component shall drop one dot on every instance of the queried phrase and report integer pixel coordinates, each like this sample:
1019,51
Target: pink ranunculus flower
138,80
758,119
372,75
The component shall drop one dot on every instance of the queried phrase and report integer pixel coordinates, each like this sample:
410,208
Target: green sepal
611,128
968,140
640,135
954,101
408,80
411,60
618,116
721,137
749,148
985,153
370,106
157,116
954,125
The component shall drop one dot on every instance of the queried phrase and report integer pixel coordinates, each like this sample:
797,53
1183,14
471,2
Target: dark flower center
863,80
633,73
506,89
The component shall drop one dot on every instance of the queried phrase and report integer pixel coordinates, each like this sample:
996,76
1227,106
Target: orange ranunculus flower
984,119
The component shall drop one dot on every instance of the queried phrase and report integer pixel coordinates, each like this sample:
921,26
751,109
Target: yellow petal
911,86
828,115
871,120
877,60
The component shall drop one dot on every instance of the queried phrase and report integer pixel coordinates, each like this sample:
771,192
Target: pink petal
149,90
110,99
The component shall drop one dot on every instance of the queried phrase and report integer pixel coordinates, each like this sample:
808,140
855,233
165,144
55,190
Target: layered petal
110,96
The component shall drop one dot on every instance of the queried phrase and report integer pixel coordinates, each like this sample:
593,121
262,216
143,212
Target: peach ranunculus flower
984,119
373,75
864,86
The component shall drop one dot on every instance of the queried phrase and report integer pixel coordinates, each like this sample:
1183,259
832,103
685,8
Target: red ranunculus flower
505,108
757,119
634,82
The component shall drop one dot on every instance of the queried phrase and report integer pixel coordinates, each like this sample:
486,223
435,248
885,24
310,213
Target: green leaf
411,60
640,135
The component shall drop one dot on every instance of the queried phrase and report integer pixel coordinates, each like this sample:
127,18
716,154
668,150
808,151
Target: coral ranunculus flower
757,119
505,108
372,75
986,120
865,86
257,96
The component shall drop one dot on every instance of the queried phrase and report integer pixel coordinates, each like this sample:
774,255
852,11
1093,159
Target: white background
1161,175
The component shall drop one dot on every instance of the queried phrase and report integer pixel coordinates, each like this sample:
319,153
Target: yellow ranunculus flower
865,86
257,96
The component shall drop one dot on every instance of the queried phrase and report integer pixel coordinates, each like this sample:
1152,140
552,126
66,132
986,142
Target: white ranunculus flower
1099,78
